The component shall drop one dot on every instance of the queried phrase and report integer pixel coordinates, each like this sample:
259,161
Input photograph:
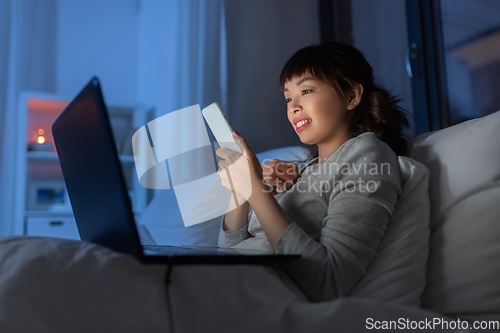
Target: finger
222,153
267,171
227,155
222,173
270,164
280,185
285,166
271,176
286,173
287,185
275,162
271,168
277,182
284,186
224,163
291,167
243,144
232,156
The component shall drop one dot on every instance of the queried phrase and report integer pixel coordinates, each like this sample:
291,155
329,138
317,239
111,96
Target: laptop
98,194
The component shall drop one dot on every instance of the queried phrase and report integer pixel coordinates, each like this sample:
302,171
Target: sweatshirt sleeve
228,238
360,207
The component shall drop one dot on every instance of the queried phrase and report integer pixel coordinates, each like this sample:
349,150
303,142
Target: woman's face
317,113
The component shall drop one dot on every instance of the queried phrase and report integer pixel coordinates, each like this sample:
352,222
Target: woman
336,210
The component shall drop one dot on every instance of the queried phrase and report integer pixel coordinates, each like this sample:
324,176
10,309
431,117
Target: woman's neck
326,150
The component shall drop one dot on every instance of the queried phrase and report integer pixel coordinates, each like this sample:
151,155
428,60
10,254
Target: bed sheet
54,285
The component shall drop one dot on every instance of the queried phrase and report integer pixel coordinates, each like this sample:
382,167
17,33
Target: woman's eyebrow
307,78
299,82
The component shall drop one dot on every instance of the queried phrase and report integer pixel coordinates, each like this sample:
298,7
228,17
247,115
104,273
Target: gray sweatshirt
340,210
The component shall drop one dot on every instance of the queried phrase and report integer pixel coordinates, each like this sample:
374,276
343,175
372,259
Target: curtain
27,62
230,52
261,36
182,59
182,62
188,52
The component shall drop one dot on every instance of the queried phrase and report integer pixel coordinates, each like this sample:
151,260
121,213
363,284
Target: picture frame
48,195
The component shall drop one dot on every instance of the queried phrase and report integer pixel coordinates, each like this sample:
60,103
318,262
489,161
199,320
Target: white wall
96,37
156,42
179,53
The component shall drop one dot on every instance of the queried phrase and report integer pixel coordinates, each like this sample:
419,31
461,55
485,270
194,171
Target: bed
55,285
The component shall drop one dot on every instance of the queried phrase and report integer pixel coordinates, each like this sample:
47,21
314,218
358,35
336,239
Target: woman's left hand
241,173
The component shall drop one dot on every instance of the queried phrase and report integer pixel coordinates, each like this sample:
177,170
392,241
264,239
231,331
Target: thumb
242,143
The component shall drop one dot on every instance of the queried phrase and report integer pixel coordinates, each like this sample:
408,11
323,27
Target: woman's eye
288,100
306,91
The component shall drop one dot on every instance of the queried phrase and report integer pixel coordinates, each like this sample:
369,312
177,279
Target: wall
260,35
379,31
96,37
156,43
126,43
471,90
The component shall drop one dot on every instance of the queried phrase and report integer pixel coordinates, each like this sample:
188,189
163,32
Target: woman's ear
354,96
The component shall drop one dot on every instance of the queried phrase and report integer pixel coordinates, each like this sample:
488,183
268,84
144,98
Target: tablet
220,127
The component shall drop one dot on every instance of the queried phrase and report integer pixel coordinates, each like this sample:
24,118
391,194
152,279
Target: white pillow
464,258
398,272
291,153
162,217
163,221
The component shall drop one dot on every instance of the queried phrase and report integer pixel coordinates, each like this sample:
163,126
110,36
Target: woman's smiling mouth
301,124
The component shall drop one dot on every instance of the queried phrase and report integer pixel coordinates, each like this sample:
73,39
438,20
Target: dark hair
342,66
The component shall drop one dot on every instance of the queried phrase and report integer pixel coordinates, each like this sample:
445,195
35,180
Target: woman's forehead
300,78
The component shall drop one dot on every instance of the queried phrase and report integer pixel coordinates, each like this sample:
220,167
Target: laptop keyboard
184,251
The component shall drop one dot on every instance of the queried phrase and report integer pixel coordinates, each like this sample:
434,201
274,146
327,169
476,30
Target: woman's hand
241,173
281,174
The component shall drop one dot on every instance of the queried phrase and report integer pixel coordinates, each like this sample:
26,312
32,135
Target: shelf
37,112
60,213
47,156
42,156
48,213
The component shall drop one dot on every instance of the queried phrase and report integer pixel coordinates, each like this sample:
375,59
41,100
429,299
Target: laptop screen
93,173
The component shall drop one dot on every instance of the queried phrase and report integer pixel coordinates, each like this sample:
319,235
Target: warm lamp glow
40,139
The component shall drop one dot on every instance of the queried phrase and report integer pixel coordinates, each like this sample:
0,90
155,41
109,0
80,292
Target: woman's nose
295,107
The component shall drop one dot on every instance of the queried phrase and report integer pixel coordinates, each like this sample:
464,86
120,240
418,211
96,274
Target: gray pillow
397,274
464,259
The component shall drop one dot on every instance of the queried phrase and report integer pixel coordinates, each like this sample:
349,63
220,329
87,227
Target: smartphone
220,127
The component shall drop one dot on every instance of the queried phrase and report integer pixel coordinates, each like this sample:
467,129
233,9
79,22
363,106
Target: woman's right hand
281,174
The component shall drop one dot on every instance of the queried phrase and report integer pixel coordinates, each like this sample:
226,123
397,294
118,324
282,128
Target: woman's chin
305,141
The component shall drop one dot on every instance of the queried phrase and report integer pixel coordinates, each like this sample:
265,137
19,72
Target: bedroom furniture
464,253
81,287
463,269
41,202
